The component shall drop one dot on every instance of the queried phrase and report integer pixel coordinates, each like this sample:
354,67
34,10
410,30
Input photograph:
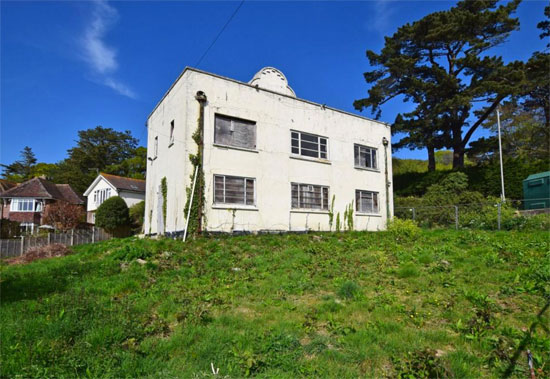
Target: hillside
446,303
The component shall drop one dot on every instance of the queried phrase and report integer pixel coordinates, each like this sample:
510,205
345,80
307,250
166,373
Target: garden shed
536,191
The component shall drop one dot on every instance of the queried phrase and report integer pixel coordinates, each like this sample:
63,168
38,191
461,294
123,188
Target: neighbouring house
271,161
106,186
27,202
4,186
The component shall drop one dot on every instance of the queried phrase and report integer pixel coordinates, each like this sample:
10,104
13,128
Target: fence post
93,234
72,237
499,204
22,244
456,217
414,213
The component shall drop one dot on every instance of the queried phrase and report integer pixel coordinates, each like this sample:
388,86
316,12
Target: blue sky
67,66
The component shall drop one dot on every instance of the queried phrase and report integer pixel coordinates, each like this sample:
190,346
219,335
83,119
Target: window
171,133
25,205
156,147
308,145
233,190
366,201
309,196
26,227
365,157
230,131
101,195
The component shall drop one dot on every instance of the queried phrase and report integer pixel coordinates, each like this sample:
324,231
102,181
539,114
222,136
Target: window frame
171,138
373,194
357,160
245,181
300,147
100,195
32,205
323,200
231,119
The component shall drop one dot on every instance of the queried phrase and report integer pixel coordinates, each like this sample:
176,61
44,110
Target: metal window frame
373,152
300,148
244,178
372,194
299,188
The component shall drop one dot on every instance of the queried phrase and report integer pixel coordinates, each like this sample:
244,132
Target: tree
63,215
137,214
96,149
442,64
21,169
133,167
113,216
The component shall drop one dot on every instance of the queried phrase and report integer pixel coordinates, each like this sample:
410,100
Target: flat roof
187,68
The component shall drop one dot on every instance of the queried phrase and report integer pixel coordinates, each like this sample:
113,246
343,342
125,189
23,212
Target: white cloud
382,16
102,58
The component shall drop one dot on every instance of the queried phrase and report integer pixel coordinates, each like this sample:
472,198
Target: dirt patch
42,252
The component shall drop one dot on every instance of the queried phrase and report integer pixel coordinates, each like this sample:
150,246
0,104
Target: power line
219,34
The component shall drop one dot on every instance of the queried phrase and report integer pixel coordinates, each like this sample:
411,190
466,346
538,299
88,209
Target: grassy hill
446,303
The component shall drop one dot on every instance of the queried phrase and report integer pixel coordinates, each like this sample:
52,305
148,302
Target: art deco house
271,161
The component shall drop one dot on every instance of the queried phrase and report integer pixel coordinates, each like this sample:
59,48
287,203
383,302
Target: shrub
137,214
349,290
63,215
403,228
113,216
9,228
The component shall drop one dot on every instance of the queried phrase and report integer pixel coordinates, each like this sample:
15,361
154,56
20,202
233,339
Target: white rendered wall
271,165
101,184
131,198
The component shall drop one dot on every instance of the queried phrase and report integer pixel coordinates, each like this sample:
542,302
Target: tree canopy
442,64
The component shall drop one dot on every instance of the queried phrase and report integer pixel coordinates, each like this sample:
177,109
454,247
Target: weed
349,290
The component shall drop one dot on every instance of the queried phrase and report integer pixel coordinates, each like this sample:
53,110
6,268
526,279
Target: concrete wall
271,164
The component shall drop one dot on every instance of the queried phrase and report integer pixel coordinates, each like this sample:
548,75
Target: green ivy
198,200
164,190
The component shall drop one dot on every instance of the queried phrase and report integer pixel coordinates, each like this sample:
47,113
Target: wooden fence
18,246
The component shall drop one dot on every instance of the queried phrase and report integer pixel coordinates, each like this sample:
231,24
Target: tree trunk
458,157
431,158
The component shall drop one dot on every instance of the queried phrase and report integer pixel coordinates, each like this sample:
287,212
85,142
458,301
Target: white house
271,161
132,191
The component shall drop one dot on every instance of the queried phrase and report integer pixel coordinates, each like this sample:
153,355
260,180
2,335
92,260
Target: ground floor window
366,201
234,190
309,196
26,227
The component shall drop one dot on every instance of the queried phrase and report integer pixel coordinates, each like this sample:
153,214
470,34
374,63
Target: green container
536,191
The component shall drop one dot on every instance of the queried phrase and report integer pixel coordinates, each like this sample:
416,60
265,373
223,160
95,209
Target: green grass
444,303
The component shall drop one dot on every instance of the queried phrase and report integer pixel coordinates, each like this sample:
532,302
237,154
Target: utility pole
502,195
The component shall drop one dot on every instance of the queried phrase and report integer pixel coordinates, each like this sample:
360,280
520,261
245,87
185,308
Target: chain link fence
499,215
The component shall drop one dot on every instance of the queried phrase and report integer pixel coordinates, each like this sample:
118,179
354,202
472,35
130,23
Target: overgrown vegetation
137,215
444,304
164,191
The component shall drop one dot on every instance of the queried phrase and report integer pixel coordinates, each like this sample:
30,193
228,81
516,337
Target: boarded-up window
366,201
233,190
308,145
309,196
365,156
230,131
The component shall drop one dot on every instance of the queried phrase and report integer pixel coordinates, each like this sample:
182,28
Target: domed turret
272,79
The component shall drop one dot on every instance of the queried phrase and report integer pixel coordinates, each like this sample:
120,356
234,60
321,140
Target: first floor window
309,196
25,205
365,156
101,195
232,131
234,190
308,145
366,201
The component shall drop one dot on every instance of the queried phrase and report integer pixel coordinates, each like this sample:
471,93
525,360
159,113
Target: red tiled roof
42,188
125,184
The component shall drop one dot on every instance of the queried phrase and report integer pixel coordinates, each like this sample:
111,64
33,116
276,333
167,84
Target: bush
137,213
349,290
403,228
113,216
9,228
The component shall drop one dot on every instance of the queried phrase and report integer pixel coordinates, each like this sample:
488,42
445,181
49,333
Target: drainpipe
201,98
385,142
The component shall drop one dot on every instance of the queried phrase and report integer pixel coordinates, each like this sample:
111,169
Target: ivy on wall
196,216
164,190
